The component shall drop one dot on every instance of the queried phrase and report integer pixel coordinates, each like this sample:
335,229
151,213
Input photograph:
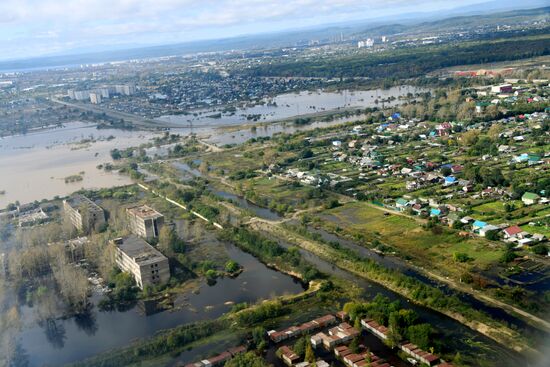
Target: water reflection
87,322
65,341
55,332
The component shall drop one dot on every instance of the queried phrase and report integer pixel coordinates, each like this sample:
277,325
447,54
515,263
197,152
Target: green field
410,238
537,229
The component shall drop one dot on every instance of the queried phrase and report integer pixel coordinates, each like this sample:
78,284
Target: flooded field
34,166
75,339
289,105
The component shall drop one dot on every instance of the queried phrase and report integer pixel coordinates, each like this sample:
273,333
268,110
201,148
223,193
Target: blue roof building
435,212
450,180
479,224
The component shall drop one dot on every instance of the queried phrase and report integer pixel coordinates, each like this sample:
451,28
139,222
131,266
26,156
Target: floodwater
289,105
34,166
102,331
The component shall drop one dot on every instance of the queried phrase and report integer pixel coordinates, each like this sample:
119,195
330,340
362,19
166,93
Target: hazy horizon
31,28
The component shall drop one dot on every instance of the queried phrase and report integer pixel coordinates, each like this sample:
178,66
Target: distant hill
462,21
421,22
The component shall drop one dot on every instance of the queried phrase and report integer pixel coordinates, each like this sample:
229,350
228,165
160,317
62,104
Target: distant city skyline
31,28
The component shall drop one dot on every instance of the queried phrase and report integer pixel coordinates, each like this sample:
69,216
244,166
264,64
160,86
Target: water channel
459,336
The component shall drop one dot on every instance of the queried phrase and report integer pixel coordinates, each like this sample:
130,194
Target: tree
332,204
73,285
300,346
457,359
354,345
169,242
540,249
461,257
492,235
231,266
357,323
470,137
203,167
494,131
246,360
420,335
116,155
508,256
394,335
310,355
259,338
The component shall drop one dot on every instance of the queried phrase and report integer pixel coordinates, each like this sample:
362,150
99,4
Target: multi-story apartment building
145,221
135,256
83,213
95,98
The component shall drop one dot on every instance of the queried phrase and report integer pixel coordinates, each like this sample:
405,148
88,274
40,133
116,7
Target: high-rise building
81,95
83,213
368,43
125,89
145,221
104,92
95,98
135,256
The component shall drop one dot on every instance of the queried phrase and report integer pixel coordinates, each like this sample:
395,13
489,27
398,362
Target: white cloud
30,25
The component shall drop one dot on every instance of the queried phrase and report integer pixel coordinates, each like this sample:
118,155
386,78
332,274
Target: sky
30,28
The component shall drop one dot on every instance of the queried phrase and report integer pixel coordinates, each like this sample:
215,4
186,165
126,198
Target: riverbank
482,323
438,279
167,345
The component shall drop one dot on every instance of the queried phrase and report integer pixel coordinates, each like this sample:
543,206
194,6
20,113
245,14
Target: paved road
138,121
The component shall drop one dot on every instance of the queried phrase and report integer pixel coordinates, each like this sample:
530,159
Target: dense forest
409,62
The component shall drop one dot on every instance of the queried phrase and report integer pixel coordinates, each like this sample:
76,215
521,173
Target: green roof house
530,198
533,159
401,204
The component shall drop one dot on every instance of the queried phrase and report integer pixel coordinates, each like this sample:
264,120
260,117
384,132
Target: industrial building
83,213
145,221
135,256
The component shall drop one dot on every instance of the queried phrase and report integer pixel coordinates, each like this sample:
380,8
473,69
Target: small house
401,204
512,232
488,228
530,198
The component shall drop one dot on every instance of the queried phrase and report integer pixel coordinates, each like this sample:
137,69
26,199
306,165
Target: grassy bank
408,287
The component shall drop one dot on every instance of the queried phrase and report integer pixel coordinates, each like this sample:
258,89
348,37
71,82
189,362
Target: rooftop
77,201
138,249
144,212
